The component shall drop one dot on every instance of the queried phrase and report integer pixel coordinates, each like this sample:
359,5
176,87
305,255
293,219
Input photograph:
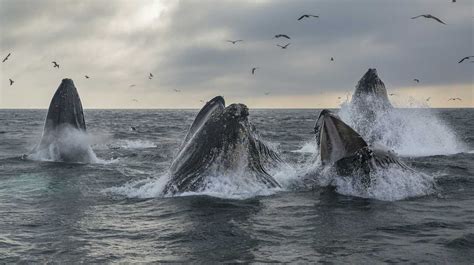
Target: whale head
221,140
64,136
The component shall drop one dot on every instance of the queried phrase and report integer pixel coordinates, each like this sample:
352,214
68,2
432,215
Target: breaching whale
370,92
370,110
344,149
221,141
64,129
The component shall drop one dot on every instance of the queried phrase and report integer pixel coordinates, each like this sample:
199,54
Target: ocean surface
113,210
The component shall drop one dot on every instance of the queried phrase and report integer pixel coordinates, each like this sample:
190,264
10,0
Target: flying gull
11,82
416,80
281,36
283,47
6,58
429,16
253,70
307,16
234,41
55,64
466,58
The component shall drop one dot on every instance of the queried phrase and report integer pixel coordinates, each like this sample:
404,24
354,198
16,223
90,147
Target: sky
183,43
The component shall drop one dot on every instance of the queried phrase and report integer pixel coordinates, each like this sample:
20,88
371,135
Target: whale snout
237,111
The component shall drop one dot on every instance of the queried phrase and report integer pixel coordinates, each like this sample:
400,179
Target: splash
389,184
142,189
410,132
308,147
221,186
228,177
68,145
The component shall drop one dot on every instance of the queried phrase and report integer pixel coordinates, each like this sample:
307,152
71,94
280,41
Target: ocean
113,211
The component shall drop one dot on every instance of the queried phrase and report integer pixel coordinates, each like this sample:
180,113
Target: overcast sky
118,43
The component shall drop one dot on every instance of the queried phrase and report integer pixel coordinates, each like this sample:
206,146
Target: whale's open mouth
221,141
336,139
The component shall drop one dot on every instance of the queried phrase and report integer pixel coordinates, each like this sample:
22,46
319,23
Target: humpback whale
221,141
370,111
63,128
344,149
370,92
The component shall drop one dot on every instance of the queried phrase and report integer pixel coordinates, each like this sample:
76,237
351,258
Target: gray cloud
119,42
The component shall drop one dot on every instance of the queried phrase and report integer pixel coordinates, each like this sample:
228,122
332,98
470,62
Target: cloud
118,43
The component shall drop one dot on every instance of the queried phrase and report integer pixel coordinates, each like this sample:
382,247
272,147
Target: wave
125,144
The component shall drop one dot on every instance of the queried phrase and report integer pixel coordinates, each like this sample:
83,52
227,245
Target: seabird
150,76
55,64
11,82
416,80
307,16
6,58
253,70
281,36
332,59
136,100
133,128
454,99
176,90
86,76
267,93
283,47
132,85
393,94
428,99
430,16
466,58
234,41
